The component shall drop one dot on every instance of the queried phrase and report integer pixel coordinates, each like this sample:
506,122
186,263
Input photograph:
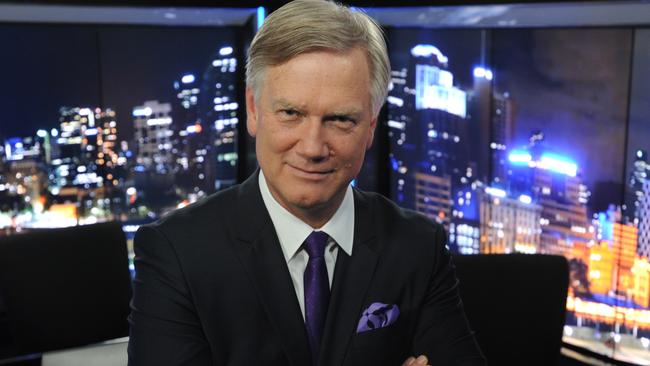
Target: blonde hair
303,26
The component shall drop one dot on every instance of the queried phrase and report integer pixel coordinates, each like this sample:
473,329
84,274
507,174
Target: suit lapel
261,254
352,275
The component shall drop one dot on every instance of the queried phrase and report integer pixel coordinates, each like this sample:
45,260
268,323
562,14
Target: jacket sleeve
165,329
443,333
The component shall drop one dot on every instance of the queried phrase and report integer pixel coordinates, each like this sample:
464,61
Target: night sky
570,83
45,67
573,85
42,69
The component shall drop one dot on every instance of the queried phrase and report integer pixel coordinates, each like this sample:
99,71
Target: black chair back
64,288
516,304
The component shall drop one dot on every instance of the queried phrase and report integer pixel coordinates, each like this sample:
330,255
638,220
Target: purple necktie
317,290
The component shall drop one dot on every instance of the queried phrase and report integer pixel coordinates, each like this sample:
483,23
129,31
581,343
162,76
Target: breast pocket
375,338
384,346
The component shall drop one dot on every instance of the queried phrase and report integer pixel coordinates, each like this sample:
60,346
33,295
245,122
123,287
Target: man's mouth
311,173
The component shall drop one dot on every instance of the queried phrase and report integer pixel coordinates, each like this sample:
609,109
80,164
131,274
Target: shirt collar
292,231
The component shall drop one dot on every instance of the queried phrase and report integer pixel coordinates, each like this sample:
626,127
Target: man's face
313,122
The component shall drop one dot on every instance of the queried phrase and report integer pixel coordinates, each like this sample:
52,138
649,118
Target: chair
64,288
516,304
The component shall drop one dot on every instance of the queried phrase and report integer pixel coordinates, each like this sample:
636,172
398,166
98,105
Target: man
294,267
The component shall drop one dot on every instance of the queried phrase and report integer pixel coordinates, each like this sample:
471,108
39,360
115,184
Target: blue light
394,164
558,164
142,112
225,51
520,157
606,226
187,79
525,199
548,161
427,50
482,72
261,14
496,192
435,91
15,141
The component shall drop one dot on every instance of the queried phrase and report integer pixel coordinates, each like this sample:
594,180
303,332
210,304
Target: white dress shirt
292,232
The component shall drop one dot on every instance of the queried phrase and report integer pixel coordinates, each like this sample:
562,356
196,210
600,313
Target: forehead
320,79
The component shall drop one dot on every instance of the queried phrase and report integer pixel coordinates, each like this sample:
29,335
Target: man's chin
309,204
314,203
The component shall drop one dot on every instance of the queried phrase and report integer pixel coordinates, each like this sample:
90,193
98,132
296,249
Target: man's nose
313,143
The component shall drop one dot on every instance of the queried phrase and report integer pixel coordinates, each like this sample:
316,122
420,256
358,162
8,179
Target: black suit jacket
212,288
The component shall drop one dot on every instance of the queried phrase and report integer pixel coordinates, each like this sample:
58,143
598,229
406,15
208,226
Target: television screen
116,113
525,137
117,121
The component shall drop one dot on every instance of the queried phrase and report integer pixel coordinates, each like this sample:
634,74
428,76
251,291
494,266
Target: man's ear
251,112
371,132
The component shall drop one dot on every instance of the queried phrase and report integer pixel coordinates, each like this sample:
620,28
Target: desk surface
111,353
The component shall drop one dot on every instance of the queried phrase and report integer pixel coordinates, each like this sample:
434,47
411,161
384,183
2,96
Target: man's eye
343,120
289,113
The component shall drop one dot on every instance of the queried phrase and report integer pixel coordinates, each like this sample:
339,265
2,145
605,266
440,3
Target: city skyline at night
110,67
163,135
504,139
534,192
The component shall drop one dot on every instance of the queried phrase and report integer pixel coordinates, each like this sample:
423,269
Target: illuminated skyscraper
433,197
601,268
553,182
18,148
624,248
501,132
492,120
84,159
481,106
400,102
634,192
464,230
107,158
620,240
641,279
564,218
427,128
191,142
188,91
507,224
222,113
85,147
70,147
26,171
153,137
643,248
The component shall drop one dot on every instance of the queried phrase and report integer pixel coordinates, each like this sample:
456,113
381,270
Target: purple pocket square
377,315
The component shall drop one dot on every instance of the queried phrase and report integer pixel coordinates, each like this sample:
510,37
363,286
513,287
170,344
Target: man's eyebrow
353,113
284,104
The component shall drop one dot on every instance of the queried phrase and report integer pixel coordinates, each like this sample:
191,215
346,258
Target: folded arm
443,334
